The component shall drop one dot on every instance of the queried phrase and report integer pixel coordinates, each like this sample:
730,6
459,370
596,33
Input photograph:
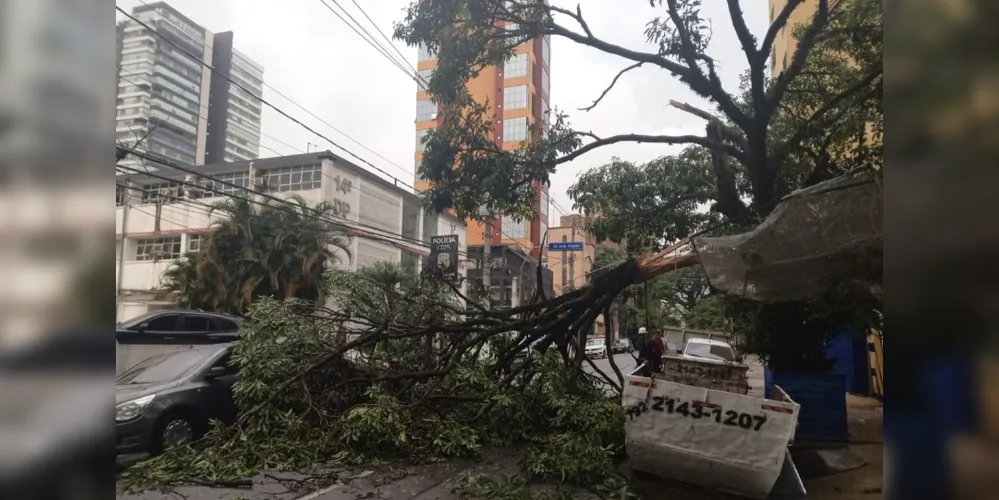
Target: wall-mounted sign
565,246
444,255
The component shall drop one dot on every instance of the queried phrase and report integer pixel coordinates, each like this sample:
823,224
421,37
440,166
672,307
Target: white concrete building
158,221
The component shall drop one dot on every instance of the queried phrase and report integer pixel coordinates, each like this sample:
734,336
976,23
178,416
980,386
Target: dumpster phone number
698,410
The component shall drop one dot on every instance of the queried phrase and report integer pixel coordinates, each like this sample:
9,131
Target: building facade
158,221
571,269
518,97
174,106
785,44
514,275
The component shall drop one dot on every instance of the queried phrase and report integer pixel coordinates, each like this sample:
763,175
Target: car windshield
718,352
594,342
163,367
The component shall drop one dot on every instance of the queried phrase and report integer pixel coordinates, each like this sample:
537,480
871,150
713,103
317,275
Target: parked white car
596,348
712,351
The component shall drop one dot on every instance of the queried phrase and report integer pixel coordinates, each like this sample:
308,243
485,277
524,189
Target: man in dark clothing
654,349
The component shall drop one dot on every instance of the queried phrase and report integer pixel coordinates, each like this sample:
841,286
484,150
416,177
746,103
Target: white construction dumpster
721,440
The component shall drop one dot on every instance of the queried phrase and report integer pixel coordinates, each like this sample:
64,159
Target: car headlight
132,409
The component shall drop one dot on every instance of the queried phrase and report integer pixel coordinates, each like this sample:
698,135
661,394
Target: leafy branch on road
396,372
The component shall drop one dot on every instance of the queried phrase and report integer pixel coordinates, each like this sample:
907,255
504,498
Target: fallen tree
396,371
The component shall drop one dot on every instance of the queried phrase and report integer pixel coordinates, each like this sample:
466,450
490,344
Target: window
513,228
544,229
164,323
240,179
193,242
196,323
158,248
296,178
544,203
547,50
427,54
426,110
223,325
516,66
424,77
545,83
226,363
119,196
161,193
420,134
515,129
515,97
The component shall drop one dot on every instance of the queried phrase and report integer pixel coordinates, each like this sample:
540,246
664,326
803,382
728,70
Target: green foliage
771,137
709,314
794,335
651,204
362,407
257,250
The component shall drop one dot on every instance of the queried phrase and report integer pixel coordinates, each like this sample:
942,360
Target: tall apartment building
182,110
518,97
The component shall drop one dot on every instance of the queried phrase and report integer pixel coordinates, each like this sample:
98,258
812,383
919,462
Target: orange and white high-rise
517,94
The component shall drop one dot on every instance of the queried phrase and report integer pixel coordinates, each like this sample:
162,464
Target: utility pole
572,256
126,199
487,256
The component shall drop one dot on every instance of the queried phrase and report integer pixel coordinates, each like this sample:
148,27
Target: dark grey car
169,399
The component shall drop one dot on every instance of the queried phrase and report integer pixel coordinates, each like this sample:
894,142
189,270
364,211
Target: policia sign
444,256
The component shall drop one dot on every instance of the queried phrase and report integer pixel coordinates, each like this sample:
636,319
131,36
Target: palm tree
272,249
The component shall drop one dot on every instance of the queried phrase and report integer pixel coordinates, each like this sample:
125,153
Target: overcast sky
315,59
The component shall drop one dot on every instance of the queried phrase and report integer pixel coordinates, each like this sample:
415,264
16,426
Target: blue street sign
565,246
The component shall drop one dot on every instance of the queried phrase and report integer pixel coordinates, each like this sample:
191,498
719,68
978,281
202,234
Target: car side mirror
215,372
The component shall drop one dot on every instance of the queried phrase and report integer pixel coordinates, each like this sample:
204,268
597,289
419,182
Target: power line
387,39
282,202
248,92
372,42
205,108
310,113
265,102
369,193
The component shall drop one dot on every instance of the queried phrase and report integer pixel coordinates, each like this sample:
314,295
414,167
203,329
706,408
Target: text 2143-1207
699,410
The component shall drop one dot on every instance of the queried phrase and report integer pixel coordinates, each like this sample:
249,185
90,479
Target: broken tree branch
609,87
711,144
729,132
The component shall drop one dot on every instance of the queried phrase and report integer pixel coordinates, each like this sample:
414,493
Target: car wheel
174,429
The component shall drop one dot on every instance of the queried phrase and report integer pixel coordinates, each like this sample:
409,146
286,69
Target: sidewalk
426,482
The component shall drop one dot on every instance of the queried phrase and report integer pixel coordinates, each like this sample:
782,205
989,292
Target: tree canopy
771,137
258,249
821,116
